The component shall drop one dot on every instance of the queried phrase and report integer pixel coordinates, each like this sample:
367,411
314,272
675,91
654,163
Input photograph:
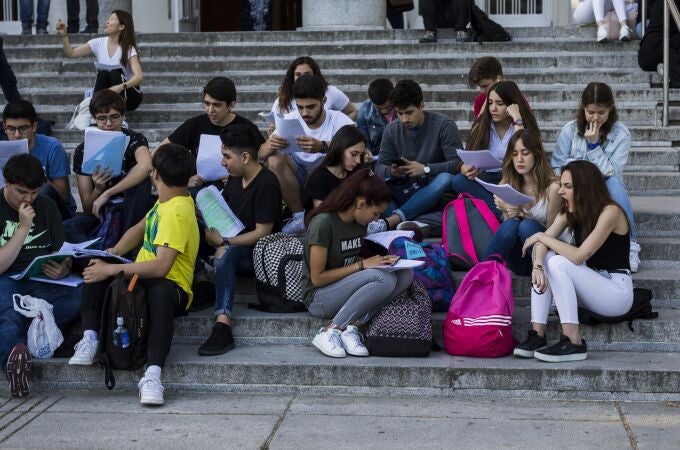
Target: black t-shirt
46,235
259,202
189,133
129,161
320,183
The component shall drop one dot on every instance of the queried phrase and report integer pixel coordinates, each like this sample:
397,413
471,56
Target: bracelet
538,267
361,265
518,122
593,146
125,86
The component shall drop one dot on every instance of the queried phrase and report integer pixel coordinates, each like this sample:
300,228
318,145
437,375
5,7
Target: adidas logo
456,321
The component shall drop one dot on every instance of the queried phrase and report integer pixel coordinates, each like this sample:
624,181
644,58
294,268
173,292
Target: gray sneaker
463,36
430,37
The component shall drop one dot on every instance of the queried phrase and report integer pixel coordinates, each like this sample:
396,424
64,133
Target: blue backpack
435,274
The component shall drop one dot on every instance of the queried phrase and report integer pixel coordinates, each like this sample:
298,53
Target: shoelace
357,338
84,345
335,340
152,384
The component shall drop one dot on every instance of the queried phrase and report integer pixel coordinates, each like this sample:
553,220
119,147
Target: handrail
669,8
643,19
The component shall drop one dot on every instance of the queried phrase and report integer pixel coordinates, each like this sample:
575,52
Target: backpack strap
464,228
105,364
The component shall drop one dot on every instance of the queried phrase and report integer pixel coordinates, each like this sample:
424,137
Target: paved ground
116,420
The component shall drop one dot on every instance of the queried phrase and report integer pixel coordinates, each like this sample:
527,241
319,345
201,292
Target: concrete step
652,183
611,375
252,327
657,216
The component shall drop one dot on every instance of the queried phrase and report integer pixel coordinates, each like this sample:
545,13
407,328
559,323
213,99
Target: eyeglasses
12,130
113,118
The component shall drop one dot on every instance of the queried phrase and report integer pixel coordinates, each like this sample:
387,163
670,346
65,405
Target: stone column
58,11
329,15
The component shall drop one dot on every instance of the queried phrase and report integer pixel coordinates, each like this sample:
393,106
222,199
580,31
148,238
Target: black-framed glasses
113,118
22,129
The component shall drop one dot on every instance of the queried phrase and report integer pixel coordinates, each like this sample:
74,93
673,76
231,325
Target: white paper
9,149
67,247
217,213
209,158
506,193
400,265
104,149
289,129
481,159
72,280
92,253
385,238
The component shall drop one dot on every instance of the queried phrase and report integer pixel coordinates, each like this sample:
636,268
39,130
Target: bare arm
351,111
247,239
10,251
130,239
61,186
554,203
99,270
322,277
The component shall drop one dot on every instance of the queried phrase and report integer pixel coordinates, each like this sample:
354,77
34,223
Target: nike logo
30,239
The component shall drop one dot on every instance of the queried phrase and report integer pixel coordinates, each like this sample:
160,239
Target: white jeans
574,285
589,11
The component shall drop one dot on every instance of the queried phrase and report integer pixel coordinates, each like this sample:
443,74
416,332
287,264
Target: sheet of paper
401,264
209,159
481,159
67,247
93,253
289,129
217,213
72,280
104,149
506,193
385,238
9,149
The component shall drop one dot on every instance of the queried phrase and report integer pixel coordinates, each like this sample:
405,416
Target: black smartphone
399,162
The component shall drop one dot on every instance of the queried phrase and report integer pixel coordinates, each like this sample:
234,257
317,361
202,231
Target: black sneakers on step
527,348
220,341
563,351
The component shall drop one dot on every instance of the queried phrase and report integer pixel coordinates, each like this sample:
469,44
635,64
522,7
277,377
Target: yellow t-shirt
173,224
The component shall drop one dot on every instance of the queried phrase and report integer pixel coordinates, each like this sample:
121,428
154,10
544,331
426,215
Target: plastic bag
44,337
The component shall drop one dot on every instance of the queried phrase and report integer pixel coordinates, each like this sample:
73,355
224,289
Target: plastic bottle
121,336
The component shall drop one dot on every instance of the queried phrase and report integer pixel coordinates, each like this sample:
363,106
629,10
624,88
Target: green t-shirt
343,241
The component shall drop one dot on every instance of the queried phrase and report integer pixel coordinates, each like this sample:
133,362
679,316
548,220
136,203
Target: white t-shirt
336,100
101,54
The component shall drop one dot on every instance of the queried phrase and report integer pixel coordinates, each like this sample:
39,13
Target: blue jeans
461,184
238,260
26,12
508,242
619,194
423,200
14,326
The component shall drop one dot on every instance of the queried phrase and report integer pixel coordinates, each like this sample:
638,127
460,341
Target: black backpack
485,29
124,297
277,260
641,309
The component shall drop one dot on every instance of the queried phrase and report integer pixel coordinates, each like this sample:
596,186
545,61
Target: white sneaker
329,343
634,256
376,226
602,33
86,351
150,391
625,34
353,341
296,225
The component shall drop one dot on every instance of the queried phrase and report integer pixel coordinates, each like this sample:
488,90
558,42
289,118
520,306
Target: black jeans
7,79
73,14
107,78
651,46
166,301
445,14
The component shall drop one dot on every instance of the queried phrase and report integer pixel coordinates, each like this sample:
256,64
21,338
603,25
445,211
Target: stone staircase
274,353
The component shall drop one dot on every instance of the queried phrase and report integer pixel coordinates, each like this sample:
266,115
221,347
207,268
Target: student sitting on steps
593,274
336,283
165,264
527,170
484,73
597,135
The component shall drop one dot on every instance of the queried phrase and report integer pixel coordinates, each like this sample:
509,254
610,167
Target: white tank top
538,212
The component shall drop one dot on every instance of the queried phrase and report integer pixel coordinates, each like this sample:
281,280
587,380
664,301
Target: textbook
67,250
9,149
216,213
385,238
209,159
104,149
481,159
506,193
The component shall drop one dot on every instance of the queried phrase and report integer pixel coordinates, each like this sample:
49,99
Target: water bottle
121,336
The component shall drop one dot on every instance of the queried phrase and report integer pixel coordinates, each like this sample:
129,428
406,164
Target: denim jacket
609,157
371,124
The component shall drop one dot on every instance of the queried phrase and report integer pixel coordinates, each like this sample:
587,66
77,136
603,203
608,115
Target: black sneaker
527,348
563,351
220,341
19,366
204,295
429,38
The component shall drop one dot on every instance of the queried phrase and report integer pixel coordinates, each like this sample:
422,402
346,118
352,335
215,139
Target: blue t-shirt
55,162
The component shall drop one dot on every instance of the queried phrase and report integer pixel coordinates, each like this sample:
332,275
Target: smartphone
399,162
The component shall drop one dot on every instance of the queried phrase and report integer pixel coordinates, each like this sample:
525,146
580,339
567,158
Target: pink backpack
479,321
467,227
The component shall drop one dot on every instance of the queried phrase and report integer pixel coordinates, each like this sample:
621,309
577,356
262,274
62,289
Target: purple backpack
435,274
467,227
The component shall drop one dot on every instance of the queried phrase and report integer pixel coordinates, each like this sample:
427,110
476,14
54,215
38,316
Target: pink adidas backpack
479,321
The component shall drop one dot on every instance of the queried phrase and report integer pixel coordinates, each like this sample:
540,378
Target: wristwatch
125,86
519,122
324,147
225,242
426,169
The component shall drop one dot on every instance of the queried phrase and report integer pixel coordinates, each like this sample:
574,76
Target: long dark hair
127,38
542,172
481,128
286,87
364,183
346,137
597,94
590,196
